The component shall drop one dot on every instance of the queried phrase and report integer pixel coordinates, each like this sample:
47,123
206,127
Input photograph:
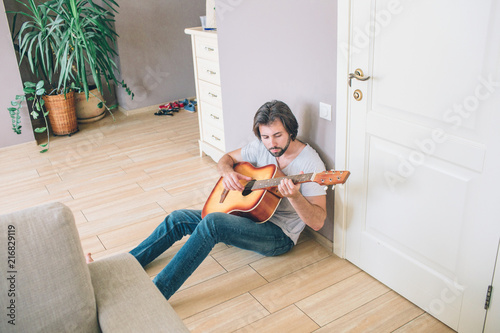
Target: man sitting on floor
276,130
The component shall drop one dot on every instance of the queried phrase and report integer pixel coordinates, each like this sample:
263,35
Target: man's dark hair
276,110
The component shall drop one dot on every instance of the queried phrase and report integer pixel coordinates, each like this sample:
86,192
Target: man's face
275,138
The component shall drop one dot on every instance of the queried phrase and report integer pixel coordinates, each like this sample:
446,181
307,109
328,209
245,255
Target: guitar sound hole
248,188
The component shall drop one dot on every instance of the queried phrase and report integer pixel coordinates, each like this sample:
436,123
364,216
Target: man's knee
177,215
171,219
181,217
212,223
182,220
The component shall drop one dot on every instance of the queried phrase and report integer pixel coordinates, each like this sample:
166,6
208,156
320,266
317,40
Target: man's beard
281,151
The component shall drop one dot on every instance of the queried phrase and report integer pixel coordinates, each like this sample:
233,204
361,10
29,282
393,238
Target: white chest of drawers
208,91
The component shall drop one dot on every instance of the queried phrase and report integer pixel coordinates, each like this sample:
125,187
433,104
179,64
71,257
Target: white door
423,147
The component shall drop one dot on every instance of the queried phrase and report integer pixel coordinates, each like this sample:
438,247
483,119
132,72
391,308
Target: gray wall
10,86
285,50
155,53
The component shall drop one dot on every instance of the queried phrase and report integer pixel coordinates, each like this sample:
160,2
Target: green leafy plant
33,92
15,114
86,43
37,40
68,44
74,39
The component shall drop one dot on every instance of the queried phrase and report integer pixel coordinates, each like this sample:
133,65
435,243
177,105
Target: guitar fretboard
260,184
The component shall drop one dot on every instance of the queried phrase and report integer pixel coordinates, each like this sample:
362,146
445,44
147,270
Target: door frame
342,125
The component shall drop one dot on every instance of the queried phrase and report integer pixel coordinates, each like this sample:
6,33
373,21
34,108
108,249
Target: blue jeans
265,238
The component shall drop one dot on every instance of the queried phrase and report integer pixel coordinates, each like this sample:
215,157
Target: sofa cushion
49,279
127,299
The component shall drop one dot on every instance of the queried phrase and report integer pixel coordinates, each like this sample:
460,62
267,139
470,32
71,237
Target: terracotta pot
87,111
62,115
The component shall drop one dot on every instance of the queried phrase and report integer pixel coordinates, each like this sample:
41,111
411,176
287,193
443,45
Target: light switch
325,111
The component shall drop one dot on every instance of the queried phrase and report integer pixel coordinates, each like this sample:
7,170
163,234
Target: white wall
10,86
285,50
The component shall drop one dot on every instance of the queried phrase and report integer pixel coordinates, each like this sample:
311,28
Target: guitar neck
273,182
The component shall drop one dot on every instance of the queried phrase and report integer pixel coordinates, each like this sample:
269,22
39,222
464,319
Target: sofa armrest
127,300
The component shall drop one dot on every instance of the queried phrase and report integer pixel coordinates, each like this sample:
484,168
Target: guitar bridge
223,195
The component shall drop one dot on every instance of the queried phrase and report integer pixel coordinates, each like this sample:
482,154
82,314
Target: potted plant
70,45
36,43
87,49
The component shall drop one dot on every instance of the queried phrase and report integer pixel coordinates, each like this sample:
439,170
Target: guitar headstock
331,177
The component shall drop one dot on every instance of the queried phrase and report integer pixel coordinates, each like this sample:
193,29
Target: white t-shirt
308,161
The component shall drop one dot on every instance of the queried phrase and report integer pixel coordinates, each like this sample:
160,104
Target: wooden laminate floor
121,178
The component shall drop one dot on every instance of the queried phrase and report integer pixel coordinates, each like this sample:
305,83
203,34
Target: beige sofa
47,286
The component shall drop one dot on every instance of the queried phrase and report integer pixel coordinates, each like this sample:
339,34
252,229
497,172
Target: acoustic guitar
260,198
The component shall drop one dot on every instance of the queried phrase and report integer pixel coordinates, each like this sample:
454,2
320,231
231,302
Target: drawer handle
214,117
211,72
209,49
212,95
215,138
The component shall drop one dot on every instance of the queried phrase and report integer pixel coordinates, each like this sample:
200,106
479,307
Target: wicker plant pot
62,114
87,111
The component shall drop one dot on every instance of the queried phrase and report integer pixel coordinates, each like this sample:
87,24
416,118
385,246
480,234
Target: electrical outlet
325,111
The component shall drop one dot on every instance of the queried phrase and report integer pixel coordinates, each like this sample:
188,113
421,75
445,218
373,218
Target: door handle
358,75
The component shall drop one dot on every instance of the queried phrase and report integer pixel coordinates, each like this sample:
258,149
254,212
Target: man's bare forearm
311,213
311,210
232,178
225,165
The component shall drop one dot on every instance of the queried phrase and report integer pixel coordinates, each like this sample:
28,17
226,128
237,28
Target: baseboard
322,240
149,109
